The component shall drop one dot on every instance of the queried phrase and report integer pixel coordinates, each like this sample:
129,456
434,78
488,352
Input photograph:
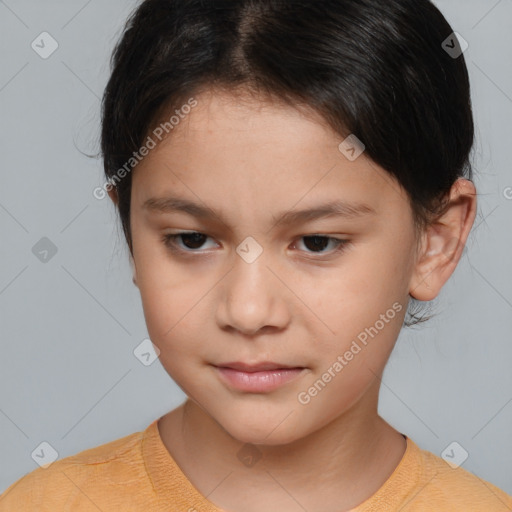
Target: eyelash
169,241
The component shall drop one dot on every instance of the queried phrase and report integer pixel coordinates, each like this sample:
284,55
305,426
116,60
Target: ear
134,270
443,242
112,192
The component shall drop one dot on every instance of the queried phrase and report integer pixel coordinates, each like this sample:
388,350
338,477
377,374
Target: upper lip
259,367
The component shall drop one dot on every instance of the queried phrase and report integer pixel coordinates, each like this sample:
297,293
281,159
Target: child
288,174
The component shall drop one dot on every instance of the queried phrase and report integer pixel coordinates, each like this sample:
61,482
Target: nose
253,298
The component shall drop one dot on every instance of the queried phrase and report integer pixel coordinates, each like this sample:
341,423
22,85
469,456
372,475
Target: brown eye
317,243
190,240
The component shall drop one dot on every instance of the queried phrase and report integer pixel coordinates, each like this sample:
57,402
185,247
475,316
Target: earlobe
436,265
444,242
134,270
112,192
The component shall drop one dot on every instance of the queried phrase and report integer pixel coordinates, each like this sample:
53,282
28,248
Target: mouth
258,367
257,378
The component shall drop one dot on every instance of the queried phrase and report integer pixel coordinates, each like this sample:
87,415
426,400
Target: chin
262,431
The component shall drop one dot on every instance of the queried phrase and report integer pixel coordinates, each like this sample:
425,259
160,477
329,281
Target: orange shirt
137,473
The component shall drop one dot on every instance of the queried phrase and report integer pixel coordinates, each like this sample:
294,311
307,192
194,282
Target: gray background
69,326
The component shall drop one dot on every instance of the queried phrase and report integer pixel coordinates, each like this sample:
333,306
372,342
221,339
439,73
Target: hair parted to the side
375,69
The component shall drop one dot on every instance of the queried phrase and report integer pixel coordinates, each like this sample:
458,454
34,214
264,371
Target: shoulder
447,488
75,482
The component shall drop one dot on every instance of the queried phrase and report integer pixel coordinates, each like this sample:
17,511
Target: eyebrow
338,208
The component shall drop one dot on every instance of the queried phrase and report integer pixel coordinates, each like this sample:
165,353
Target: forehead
231,119
243,152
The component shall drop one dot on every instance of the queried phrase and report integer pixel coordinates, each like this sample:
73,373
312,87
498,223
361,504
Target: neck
344,462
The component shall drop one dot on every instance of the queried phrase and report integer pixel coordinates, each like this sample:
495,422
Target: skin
296,304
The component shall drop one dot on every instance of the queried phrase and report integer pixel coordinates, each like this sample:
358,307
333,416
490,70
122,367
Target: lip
258,367
258,378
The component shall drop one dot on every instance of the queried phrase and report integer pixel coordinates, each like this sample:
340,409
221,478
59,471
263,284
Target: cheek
173,314
343,300
359,312
168,293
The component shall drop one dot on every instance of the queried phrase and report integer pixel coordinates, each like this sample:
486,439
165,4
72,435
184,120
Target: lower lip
259,382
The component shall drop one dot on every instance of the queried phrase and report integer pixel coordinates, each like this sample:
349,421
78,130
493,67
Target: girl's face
255,285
